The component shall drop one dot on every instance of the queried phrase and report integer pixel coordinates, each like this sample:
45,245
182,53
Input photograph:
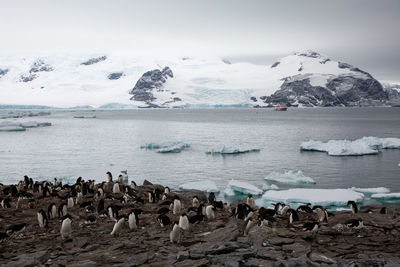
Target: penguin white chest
66,229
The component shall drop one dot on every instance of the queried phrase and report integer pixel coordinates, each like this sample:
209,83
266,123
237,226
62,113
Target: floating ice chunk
166,147
11,126
232,149
242,188
85,116
34,124
375,190
270,187
386,196
363,146
204,185
289,177
334,197
11,129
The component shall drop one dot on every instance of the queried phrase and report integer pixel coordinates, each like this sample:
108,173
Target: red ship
279,108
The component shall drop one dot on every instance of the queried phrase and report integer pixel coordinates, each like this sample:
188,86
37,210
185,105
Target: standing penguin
195,202
184,222
167,190
175,234
177,206
353,206
133,219
210,212
285,209
66,230
42,219
248,224
117,229
293,216
163,220
79,197
133,185
62,210
116,188
211,198
52,211
152,197
250,200
109,177
120,179
322,214
70,202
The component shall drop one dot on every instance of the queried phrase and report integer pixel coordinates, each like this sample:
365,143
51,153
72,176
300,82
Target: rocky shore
219,242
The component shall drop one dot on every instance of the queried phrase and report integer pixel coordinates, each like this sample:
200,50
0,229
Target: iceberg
386,196
11,129
270,187
85,116
204,185
10,126
363,146
375,190
242,188
289,177
166,147
325,197
232,149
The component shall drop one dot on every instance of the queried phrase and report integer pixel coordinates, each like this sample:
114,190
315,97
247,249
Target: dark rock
28,77
31,259
94,60
297,249
226,61
361,262
321,258
182,255
115,75
273,255
192,263
196,254
145,182
252,262
39,66
279,241
254,99
275,64
3,72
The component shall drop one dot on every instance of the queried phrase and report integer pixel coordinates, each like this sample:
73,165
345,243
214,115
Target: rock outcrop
37,67
115,75
94,60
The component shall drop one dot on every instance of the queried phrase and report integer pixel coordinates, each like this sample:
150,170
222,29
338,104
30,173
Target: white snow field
204,185
324,197
238,187
198,82
289,177
363,146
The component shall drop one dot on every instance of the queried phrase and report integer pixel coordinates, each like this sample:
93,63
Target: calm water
111,142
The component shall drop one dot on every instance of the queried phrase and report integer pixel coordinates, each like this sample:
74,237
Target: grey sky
362,32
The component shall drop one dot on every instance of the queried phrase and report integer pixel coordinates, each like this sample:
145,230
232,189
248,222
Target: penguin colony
121,204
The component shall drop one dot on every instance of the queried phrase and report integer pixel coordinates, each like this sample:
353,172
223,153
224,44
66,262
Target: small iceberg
240,187
166,147
11,129
270,187
386,196
10,126
204,185
375,190
85,116
289,177
325,197
232,149
364,146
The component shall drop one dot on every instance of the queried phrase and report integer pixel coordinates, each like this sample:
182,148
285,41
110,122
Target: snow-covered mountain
118,81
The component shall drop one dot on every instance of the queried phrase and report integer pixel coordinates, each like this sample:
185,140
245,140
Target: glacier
166,147
232,149
289,177
235,186
363,146
203,185
324,197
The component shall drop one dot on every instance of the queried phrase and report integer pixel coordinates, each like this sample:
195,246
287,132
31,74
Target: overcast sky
365,33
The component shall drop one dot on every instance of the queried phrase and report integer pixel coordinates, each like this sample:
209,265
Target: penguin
117,229
242,210
163,210
250,200
79,197
85,204
163,220
177,206
165,203
15,228
66,229
100,206
46,191
113,211
322,214
133,185
210,212
79,180
284,209
175,234
109,177
293,216
133,220
218,204
19,203
90,219
195,219
5,203
305,208
120,179
152,197
353,206
311,226
383,210
90,208
31,203
116,189
354,223
3,236
167,190
277,207
100,192
184,222
195,201
62,210
265,220
42,219
70,202
56,182
248,224
211,198
263,212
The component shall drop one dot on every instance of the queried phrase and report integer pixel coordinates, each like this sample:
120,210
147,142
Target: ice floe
11,126
85,116
363,146
289,177
232,149
386,196
374,190
204,185
166,147
270,187
326,197
235,186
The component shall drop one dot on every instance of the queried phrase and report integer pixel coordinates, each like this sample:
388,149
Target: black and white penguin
211,198
265,220
293,216
210,212
117,229
383,210
167,190
163,210
263,212
46,191
284,209
322,214
250,200
90,208
62,210
177,206
354,223
305,208
66,228
42,219
163,220
353,206
112,211
109,177
100,206
133,185
152,197
277,206
90,219
164,197
195,219
218,204
242,210
195,201
133,219
100,192
85,204
116,189
15,228
6,203
79,198
311,226
121,179
184,222
175,234
248,224
70,203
